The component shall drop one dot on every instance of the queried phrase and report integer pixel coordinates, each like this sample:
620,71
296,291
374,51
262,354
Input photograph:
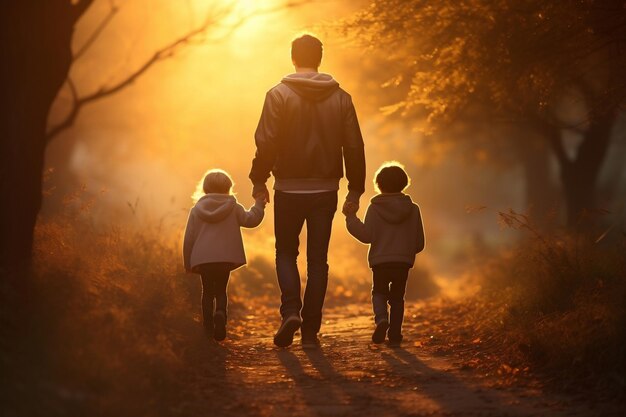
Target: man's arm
353,154
265,137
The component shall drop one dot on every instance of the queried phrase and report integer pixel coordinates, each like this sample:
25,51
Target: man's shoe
219,321
310,340
381,330
284,335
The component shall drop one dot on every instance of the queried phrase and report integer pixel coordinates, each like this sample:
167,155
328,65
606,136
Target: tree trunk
35,49
541,198
580,176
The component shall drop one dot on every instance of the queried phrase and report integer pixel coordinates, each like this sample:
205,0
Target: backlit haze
141,152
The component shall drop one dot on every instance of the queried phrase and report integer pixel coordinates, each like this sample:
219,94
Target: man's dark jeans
389,287
291,210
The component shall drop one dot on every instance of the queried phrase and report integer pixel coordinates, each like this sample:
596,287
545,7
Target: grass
100,326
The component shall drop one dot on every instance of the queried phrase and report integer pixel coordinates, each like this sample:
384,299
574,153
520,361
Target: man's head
391,178
306,52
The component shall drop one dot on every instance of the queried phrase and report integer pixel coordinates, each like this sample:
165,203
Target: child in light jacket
393,228
213,246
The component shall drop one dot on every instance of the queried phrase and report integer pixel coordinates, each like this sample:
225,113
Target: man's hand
260,199
261,193
350,208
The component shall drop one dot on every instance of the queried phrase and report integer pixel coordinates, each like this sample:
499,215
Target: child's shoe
395,339
219,320
379,333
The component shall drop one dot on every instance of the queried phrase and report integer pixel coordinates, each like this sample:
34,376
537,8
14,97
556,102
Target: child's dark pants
214,281
389,287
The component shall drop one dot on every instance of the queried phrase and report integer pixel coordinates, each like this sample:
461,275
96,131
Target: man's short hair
306,51
391,178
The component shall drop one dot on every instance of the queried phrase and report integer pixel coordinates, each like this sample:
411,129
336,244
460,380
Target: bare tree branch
71,117
97,32
80,8
73,90
167,51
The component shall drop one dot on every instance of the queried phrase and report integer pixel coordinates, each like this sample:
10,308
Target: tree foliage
516,58
547,67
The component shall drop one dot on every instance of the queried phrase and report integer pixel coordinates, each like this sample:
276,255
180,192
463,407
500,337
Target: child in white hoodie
213,246
393,227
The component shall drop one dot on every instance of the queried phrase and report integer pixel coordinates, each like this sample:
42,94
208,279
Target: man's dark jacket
308,128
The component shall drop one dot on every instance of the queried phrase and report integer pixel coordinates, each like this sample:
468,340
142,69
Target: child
393,227
212,246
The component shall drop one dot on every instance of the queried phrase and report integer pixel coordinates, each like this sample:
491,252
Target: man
308,129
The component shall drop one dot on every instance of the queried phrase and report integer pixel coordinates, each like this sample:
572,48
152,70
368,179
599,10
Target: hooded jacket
308,128
213,231
393,228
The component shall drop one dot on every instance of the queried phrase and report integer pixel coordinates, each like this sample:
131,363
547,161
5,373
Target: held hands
350,208
261,194
261,199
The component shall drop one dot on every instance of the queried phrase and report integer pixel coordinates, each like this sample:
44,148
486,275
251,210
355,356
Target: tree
511,63
36,56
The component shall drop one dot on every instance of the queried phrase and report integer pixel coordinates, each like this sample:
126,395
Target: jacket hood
314,86
213,208
393,208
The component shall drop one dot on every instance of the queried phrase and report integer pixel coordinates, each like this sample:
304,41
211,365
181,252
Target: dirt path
247,376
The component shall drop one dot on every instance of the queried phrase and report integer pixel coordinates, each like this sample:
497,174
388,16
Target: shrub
565,301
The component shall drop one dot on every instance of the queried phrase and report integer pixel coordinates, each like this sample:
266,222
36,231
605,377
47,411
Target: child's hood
213,208
393,207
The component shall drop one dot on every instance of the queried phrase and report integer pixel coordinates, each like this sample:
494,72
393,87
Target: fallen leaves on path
349,375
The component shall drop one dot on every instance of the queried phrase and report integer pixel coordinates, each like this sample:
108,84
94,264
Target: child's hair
391,178
215,181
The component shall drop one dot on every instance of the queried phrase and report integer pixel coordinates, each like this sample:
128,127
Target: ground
150,363
246,375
